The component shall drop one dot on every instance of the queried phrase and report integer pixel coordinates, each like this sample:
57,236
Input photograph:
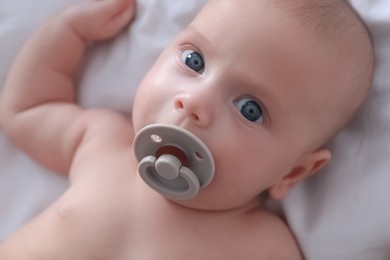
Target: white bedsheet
340,214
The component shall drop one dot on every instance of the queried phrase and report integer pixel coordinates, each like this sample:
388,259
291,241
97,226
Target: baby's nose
196,110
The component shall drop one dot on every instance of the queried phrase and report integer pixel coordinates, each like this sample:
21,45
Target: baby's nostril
179,104
194,116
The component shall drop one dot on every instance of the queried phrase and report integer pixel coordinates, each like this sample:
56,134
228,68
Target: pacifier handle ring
148,172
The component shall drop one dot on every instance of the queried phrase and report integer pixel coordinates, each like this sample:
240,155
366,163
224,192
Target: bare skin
108,212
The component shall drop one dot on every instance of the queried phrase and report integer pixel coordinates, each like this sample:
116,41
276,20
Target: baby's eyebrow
198,35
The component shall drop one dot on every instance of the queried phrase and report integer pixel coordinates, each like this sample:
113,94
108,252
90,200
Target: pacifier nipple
173,161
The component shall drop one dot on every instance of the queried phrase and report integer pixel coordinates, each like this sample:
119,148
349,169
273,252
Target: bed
341,213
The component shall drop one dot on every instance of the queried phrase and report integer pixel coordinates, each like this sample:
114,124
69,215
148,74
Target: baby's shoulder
105,136
102,122
273,236
99,117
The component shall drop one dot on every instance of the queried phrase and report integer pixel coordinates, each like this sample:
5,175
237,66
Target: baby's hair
325,16
334,21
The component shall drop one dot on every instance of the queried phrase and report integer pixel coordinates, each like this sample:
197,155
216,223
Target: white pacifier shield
166,173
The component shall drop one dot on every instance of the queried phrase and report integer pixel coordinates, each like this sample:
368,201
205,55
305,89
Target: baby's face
252,85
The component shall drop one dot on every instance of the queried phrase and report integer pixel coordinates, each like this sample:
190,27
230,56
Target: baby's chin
208,202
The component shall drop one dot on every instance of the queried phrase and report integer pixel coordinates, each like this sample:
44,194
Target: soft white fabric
340,214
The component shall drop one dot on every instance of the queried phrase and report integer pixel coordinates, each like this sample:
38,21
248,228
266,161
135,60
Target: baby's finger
99,19
114,25
111,7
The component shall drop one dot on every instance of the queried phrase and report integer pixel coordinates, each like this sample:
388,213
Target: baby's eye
193,60
250,109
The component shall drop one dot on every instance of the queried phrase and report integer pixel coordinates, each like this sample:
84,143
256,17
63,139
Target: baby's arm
37,108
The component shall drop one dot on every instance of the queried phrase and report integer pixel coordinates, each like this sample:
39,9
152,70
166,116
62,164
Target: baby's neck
196,207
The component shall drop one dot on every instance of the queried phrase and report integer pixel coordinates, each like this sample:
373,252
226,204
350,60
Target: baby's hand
99,19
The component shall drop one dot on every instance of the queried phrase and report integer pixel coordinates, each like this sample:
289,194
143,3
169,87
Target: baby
263,83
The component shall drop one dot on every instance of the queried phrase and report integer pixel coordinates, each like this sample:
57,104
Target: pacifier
173,161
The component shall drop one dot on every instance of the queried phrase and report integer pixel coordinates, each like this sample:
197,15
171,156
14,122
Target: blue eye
193,60
250,109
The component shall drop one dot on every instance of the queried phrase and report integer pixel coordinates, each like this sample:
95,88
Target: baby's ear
307,166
